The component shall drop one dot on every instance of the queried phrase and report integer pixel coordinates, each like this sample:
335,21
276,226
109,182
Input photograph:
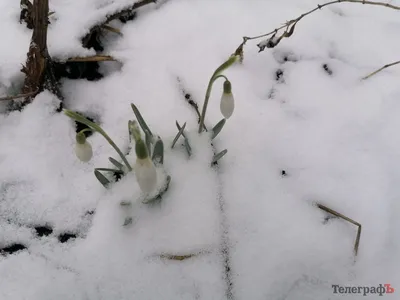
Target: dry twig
379,70
18,96
335,213
95,58
295,21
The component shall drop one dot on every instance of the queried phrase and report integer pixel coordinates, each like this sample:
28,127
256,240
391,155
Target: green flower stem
86,129
79,118
215,76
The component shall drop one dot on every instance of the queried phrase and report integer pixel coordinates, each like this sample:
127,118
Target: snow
335,136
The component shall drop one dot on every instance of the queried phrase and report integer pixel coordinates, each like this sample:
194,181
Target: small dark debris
43,230
117,176
78,70
92,40
89,213
283,173
130,16
187,96
279,75
327,69
12,249
328,218
65,237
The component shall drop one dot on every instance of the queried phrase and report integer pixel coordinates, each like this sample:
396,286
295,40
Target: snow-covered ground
334,135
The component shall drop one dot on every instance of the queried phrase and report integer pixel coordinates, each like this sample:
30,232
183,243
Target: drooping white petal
84,151
146,174
227,105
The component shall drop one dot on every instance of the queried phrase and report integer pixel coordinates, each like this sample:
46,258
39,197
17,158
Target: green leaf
149,139
100,177
140,119
109,170
158,153
116,163
187,145
180,132
218,156
217,128
161,193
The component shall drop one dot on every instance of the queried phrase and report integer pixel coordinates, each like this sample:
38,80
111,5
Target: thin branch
18,96
95,58
135,6
379,70
295,21
335,213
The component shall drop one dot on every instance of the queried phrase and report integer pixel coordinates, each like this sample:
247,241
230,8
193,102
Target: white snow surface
336,136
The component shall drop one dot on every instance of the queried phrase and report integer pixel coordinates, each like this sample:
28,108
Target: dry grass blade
18,96
335,213
112,29
381,69
95,58
181,257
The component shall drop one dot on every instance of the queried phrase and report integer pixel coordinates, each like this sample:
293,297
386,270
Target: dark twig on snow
293,22
39,66
381,69
190,101
95,30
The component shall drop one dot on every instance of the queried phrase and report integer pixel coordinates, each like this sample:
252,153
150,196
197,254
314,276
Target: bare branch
379,70
295,21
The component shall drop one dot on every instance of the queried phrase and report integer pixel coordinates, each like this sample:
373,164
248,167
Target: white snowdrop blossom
227,104
83,149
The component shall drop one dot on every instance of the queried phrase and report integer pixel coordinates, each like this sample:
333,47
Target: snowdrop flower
145,171
227,104
83,149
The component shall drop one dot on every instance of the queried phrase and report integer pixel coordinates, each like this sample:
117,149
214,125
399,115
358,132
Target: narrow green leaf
109,170
148,138
178,135
218,156
158,153
161,193
187,145
217,128
116,163
100,177
140,119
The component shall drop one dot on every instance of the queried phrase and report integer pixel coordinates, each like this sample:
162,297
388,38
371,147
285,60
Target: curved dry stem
375,3
381,69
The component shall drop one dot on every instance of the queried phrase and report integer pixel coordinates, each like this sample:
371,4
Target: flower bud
146,174
227,104
83,149
145,171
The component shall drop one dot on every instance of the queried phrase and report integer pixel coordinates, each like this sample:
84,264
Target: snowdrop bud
227,104
145,171
146,174
83,149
